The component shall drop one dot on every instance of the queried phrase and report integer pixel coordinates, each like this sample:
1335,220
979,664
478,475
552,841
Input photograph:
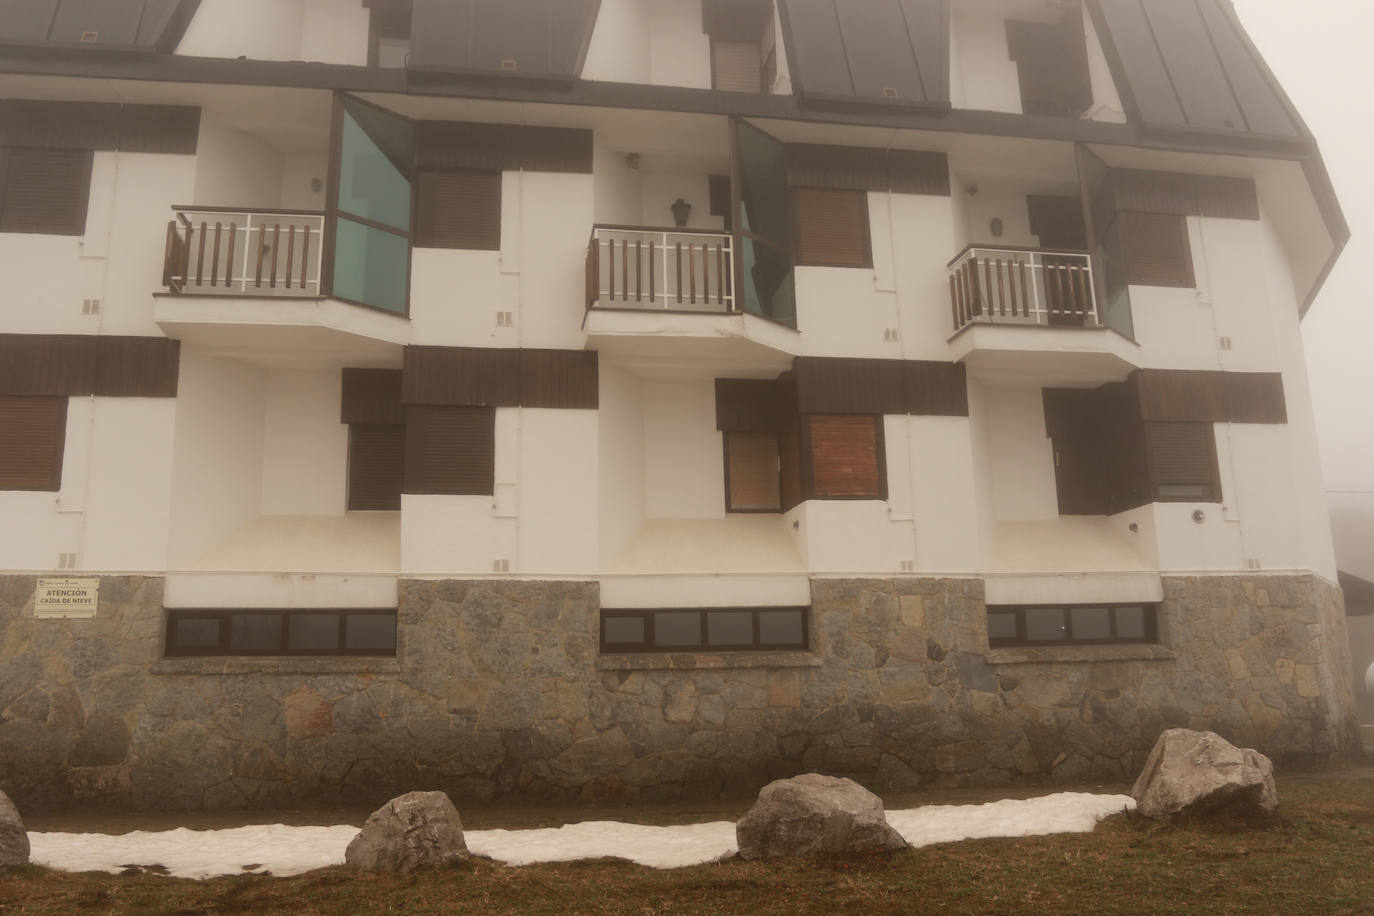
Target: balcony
244,253
998,294
658,296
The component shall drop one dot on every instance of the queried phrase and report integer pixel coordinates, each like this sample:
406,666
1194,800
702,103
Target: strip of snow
288,851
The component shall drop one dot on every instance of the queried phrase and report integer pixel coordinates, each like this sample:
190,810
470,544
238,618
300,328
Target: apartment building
649,398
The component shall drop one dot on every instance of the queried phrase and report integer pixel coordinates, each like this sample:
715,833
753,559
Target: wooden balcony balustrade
1022,286
642,267
233,252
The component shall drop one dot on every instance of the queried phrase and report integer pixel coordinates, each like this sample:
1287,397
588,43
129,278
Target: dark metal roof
1188,64
519,38
150,25
888,51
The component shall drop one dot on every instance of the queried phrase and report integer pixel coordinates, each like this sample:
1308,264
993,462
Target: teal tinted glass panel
370,265
1109,267
764,198
374,167
768,282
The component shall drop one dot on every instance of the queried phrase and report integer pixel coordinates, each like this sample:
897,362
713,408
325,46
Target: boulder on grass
1191,772
815,814
14,841
412,831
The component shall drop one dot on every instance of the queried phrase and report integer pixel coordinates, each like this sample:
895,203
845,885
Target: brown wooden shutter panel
736,66
1183,462
46,191
790,465
459,210
376,464
752,465
451,451
832,227
845,457
32,434
1156,249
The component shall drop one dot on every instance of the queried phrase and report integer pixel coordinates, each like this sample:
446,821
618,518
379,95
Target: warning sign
66,598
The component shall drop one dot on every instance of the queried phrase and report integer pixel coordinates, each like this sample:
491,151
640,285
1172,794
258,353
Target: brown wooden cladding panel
46,191
450,451
99,126
812,165
1182,194
376,466
459,210
1209,396
33,431
566,379
484,377
790,464
1156,249
372,396
881,386
846,457
936,389
831,227
502,147
76,365
747,405
752,472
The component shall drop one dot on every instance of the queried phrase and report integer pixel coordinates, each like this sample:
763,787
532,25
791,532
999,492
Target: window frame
865,225
1020,641
59,446
224,615
650,643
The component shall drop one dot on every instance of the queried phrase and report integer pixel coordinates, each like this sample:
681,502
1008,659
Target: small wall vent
90,306
508,65
90,37
66,561
1224,343
500,566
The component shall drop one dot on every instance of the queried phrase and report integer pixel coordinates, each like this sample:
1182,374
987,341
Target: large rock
412,831
1191,772
14,841
815,814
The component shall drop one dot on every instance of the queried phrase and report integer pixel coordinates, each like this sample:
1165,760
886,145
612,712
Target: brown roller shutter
832,227
45,191
1183,462
752,473
450,451
376,465
459,210
846,457
736,66
32,434
1156,249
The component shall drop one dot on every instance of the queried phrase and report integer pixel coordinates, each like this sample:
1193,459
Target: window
389,37
1072,625
32,434
846,457
1183,462
45,191
281,632
751,472
1052,65
832,227
1156,249
693,630
743,52
450,451
459,210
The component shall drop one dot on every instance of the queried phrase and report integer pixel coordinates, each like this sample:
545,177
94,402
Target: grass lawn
1316,857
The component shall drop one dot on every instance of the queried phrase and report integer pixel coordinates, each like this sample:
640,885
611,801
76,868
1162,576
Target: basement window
711,630
281,632
1072,625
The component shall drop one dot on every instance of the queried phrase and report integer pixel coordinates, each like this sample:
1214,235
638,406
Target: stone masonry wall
498,690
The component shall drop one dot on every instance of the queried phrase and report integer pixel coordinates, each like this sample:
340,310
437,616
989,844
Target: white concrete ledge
278,590
1074,588
705,590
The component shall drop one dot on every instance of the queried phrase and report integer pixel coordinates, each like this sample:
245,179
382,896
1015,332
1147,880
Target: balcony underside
1046,355
658,340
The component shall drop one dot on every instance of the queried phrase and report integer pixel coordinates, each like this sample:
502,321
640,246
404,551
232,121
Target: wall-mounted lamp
632,161
1199,516
996,227
316,185
681,210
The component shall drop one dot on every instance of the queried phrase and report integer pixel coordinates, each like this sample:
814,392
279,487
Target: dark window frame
1151,619
222,649
865,224
725,437
650,643
59,447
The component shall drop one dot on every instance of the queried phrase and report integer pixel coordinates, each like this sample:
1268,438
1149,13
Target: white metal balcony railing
1022,286
230,252
641,267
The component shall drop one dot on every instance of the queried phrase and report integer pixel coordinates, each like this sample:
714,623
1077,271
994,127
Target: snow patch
286,851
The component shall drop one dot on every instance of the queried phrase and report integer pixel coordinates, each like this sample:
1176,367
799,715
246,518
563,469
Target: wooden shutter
459,210
450,451
45,191
1183,462
832,227
790,465
32,434
376,464
751,473
1156,249
736,66
846,457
